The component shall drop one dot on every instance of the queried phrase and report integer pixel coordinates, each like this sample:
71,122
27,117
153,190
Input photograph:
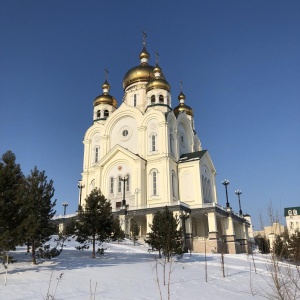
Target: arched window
171,143
174,185
128,183
206,189
111,185
161,99
106,113
96,154
153,99
119,184
154,183
153,142
98,114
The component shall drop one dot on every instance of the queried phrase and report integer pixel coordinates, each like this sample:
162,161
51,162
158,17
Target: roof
192,156
292,211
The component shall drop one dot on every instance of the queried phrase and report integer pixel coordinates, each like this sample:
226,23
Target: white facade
292,217
155,147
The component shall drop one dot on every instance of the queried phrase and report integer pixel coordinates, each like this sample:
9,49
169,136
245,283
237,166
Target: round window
125,132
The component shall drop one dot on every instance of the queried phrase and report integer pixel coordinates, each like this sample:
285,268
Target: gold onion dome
182,106
143,72
105,97
159,82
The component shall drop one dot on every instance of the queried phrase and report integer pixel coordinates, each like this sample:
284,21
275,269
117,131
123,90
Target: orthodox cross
144,38
106,74
157,56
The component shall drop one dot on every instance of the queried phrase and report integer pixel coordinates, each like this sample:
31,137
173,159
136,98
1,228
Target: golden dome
144,55
106,86
105,97
138,74
157,83
143,72
181,108
181,96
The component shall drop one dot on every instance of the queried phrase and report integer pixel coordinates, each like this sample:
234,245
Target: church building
143,155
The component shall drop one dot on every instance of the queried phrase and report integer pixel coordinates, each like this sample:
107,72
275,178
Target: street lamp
225,182
124,207
184,216
239,192
124,179
65,204
80,186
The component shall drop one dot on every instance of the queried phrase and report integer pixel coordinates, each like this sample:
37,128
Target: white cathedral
144,155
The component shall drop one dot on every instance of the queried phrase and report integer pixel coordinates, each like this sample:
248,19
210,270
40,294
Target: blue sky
240,66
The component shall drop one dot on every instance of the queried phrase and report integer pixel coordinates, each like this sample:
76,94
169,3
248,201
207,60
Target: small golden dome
157,83
106,86
181,96
157,69
144,55
181,108
105,97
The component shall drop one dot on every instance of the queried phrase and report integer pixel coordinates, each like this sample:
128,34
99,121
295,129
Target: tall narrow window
98,114
171,143
128,183
134,100
119,184
161,99
154,183
96,154
111,185
153,142
153,99
106,113
173,184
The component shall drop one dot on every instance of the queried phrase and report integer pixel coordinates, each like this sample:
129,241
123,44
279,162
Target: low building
292,217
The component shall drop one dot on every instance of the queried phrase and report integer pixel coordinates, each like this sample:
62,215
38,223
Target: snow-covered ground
128,272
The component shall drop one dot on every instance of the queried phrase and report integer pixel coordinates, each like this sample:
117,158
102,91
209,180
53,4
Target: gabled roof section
114,152
192,156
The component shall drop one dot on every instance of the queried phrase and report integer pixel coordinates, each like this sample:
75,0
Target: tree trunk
94,242
33,252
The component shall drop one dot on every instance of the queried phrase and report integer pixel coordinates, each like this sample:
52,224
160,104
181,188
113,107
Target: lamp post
184,216
225,182
65,204
124,207
239,192
80,186
124,179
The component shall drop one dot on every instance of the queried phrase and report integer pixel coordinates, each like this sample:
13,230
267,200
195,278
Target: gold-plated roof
138,74
142,73
181,108
158,83
105,97
144,54
181,96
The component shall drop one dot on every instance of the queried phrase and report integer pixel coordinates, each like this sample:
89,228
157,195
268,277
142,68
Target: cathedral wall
189,183
124,133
